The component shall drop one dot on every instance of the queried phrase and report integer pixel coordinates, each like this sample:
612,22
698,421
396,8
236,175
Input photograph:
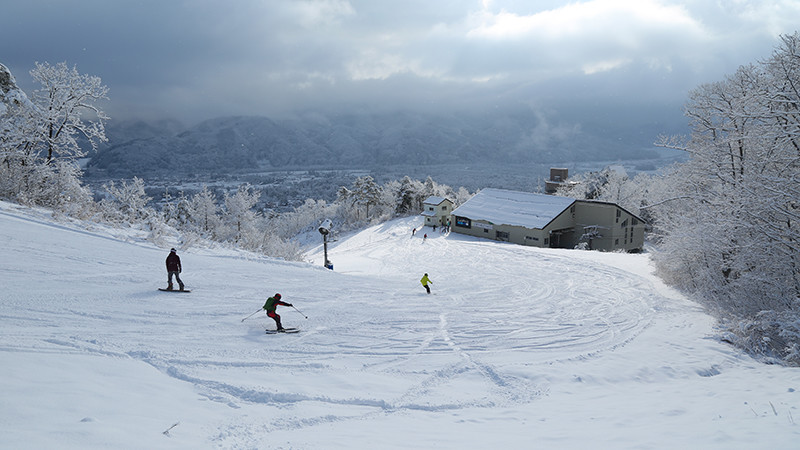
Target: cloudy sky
196,59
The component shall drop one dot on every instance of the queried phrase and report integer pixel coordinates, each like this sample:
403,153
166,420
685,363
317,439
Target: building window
531,238
486,230
546,241
502,235
444,208
618,214
616,241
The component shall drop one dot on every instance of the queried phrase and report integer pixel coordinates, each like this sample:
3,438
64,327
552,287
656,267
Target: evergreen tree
366,193
410,196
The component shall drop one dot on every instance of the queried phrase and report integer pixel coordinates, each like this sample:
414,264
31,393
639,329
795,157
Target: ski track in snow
475,343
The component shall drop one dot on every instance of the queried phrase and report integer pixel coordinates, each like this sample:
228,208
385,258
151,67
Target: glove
288,304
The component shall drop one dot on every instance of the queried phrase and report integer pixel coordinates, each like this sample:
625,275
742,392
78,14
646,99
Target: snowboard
173,290
285,330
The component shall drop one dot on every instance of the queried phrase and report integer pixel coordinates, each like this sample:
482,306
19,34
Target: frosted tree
411,194
348,212
40,135
304,218
611,184
202,211
732,236
68,106
240,217
366,192
461,196
126,202
17,123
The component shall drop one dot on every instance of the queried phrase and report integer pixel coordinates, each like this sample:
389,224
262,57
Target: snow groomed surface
516,347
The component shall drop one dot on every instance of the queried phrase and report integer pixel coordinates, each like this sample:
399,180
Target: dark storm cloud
199,59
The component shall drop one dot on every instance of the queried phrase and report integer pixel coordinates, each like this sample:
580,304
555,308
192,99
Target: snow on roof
502,207
434,200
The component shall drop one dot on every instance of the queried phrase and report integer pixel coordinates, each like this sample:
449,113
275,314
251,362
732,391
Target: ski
285,330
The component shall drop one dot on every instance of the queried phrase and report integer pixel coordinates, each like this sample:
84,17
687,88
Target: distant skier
173,268
425,280
413,232
271,305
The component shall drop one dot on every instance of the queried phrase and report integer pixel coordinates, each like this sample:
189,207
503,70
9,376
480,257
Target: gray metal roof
502,207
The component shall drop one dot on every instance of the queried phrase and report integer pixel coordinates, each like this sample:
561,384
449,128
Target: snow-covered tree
732,233
240,217
304,218
366,193
461,196
39,135
126,203
611,184
68,106
411,194
202,212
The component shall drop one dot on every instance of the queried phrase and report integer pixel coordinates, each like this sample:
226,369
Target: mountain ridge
235,144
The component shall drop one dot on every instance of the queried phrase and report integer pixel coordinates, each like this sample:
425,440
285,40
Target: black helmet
278,296
172,250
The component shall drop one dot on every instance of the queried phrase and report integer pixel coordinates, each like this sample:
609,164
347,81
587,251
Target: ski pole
300,312
251,315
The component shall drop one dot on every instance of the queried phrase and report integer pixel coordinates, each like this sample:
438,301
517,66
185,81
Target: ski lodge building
548,221
436,211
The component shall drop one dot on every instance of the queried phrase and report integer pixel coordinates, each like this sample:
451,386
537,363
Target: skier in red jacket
271,305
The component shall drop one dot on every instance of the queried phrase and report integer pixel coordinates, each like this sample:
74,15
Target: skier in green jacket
271,305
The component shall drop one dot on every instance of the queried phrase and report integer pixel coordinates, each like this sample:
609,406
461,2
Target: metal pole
301,313
251,315
325,247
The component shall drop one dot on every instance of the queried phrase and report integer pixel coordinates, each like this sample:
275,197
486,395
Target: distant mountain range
228,145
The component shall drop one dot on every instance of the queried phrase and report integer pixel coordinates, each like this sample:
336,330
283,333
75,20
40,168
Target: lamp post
325,230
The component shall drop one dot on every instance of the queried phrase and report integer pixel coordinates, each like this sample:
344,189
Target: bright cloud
609,17
313,13
603,66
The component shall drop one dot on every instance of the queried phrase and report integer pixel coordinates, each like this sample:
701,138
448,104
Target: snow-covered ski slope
516,348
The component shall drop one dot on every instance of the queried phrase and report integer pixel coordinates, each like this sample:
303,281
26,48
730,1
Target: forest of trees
726,223
723,225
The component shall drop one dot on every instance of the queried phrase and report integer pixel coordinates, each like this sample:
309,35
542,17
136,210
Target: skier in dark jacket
271,305
173,268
